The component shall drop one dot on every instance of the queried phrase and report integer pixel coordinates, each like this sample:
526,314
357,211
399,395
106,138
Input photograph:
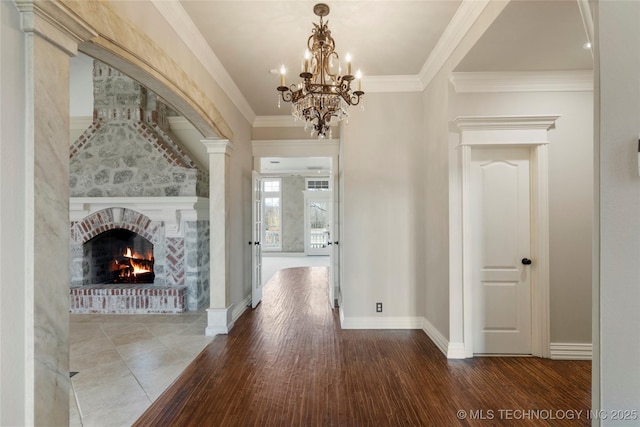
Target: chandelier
323,94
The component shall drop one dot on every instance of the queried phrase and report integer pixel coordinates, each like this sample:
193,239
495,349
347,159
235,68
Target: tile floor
125,361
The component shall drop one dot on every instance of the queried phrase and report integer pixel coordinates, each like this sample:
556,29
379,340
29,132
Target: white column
616,293
219,311
35,195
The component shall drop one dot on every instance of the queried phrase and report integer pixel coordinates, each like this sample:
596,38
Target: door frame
312,148
508,131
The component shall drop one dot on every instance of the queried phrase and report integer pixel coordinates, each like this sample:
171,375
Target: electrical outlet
378,307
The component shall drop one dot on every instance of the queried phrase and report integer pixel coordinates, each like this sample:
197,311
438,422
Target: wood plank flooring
288,363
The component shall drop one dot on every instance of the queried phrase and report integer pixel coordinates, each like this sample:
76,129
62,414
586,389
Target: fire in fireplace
120,256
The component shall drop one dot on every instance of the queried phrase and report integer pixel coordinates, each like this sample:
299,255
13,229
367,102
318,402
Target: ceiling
392,38
385,38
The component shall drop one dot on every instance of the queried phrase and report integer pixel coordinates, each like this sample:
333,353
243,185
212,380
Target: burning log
131,269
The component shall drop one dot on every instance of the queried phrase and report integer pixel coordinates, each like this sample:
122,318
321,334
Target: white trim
183,25
283,254
219,321
458,27
400,322
434,334
587,20
218,146
295,148
523,81
483,131
571,351
172,210
240,308
80,122
180,123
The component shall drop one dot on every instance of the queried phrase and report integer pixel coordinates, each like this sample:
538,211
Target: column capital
218,146
54,22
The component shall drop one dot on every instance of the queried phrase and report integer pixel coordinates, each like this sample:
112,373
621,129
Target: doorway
525,137
501,230
299,165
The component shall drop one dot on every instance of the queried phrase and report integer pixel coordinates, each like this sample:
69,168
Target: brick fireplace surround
178,229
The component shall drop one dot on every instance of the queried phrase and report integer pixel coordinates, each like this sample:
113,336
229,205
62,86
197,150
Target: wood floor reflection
288,363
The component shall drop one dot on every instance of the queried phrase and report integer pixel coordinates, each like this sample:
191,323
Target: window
272,214
317,184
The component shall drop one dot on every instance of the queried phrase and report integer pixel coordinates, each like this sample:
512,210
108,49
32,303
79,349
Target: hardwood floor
288,363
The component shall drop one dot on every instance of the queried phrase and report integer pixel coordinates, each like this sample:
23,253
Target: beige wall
436,196
382,242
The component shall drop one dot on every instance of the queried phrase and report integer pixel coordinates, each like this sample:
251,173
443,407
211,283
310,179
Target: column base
219,321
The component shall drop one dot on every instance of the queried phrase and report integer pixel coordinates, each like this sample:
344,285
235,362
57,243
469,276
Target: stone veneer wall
128,150
197,263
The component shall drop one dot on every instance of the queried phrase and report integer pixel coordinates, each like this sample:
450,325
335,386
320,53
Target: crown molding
587,20
460,24
183,25
296,148
523,81
470,123
80,122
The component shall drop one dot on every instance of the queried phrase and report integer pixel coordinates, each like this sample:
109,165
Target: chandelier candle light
322,94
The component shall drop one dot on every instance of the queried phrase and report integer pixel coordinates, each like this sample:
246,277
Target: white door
500,203
318,216
256,233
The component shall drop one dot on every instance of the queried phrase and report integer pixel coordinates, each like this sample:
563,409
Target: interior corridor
288,363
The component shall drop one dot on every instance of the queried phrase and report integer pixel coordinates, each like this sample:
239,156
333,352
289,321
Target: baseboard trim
434,334
571,351
240,308
283,254
407,322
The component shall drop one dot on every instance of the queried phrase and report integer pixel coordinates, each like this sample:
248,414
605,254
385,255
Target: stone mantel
172,210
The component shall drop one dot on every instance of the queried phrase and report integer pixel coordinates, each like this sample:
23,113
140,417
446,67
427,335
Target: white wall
617,283
12,222
570,197
81,86
382,242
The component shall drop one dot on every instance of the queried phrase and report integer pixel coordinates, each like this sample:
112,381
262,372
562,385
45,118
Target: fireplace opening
120,256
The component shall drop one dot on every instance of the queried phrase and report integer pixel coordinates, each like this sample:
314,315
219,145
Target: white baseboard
434,334
240,308
404,322
282,254
571,351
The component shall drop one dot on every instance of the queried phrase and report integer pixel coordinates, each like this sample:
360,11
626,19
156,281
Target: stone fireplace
138,208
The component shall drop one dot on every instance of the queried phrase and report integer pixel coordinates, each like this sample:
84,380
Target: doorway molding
504,131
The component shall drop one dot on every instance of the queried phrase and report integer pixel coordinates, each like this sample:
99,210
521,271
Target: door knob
526,261
329,243
335,243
